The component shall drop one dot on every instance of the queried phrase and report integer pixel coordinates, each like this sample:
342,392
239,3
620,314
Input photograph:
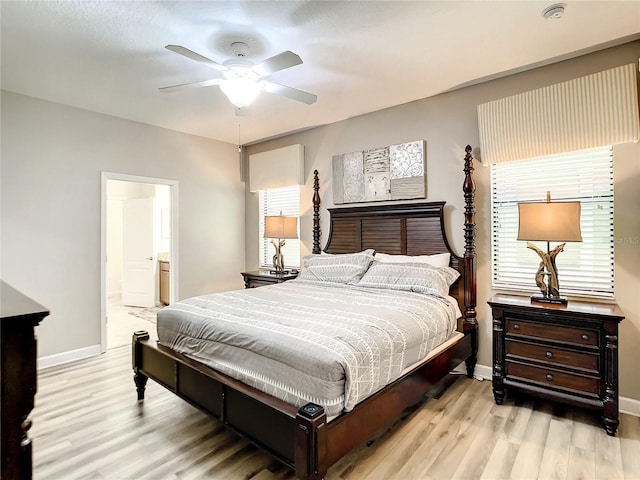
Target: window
585,268
272,202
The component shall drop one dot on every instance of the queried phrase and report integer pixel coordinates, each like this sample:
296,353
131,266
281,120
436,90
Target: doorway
138,260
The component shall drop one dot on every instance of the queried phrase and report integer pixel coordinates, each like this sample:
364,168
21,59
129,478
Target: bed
309,438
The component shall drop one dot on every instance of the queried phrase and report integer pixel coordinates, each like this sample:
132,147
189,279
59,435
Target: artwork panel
353,180
408,188
407,159
336,184
377,187
376,160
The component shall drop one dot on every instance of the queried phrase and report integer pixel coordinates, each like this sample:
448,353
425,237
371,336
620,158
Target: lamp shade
279,226
549,221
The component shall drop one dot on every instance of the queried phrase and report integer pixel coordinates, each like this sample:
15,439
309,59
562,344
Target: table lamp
551,222
280,227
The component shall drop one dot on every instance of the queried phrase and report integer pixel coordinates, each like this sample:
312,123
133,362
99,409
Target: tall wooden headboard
407,229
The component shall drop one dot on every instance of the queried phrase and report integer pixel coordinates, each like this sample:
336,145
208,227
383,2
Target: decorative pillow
410,277
437,260
341,268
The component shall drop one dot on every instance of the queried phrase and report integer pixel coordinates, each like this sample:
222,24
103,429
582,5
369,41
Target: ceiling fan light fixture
240,91
240,79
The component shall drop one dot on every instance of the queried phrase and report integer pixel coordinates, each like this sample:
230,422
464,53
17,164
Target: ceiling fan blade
277,62
186,86
196,56
289,92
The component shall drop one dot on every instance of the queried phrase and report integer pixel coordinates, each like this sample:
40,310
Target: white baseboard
630,406
626,405
483,372
66,357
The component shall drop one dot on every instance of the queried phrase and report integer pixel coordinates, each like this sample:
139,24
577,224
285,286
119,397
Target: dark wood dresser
567,353
259,278
18,316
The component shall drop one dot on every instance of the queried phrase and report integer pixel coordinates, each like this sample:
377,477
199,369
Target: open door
138,269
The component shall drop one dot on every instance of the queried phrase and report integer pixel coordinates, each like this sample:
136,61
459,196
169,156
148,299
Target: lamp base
279,272
554,300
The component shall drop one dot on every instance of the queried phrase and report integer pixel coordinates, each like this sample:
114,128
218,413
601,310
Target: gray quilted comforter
303,341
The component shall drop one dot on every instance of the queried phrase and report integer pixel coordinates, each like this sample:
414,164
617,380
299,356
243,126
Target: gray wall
52,159
448,122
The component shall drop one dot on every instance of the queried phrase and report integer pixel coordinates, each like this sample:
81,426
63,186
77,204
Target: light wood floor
120,322
88,425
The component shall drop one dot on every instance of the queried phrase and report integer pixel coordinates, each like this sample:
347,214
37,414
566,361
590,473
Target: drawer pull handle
548,355
549,377
585,336
516,326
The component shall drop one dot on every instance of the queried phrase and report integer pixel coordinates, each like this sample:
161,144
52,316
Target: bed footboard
291,435
300,438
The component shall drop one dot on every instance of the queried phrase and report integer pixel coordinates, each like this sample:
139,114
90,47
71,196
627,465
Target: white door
138,270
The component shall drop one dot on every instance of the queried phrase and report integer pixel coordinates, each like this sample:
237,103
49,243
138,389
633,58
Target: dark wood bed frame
302,438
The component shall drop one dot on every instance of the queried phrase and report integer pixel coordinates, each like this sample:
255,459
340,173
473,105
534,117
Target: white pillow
437,260
410,277
341,268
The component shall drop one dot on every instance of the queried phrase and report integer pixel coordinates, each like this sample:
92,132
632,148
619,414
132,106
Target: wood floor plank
629,435
608,458
555,458
501,461
399,445
87,424
527,463
582,464
448,430
473,461
584,431
518,420
457,459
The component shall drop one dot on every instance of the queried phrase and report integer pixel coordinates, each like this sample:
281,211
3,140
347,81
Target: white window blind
272,202
584,268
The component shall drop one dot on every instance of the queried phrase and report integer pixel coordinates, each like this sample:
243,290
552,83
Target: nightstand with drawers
567,353
259,278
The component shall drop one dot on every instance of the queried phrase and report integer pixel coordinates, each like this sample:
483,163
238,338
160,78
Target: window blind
272,202
585,268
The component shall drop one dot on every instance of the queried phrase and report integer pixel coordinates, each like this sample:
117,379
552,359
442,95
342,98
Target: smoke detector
554,11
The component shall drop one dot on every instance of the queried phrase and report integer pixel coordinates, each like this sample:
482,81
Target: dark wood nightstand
567,353
259,278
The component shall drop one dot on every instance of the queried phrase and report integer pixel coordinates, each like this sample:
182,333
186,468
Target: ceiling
359,56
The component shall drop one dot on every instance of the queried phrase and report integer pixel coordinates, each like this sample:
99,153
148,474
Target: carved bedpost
139,378
316,214
469,258
310,449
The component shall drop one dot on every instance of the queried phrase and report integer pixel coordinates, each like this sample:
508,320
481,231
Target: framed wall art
396,172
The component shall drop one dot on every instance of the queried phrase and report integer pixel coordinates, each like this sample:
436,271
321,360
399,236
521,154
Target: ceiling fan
242,80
